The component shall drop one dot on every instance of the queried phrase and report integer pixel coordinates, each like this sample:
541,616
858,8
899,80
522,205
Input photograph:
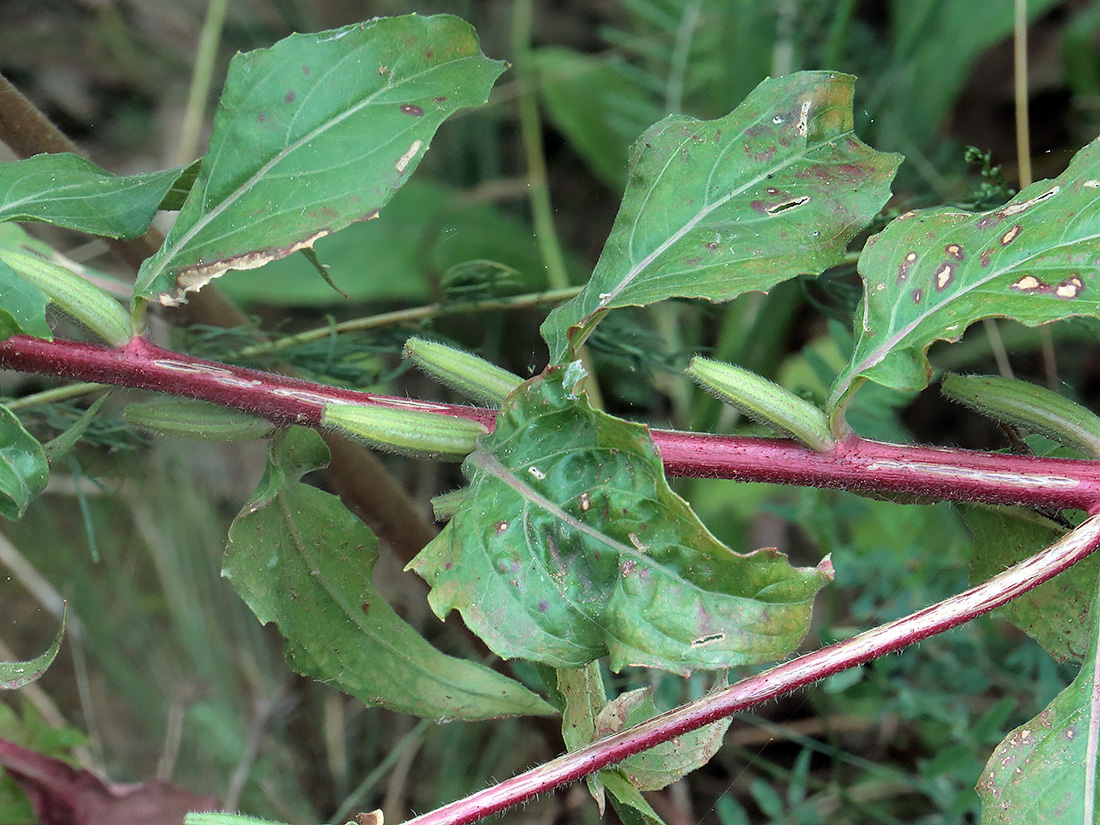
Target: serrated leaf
666,763
932,273
67,190
1041,772
16,675
570,545
24,470
716,208
313,134
22,307
1055,614
300,559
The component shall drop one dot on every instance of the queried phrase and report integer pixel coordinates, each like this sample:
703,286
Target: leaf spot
382,70
1011,235
543,605
918,295
944,275
1092,184
500,527
786,206
777,119
537,473
637,542
709,639
955,251
985,257
289,96
585,501
404,160
903,267
412,109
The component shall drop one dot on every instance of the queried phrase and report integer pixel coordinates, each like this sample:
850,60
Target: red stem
855,464
777,681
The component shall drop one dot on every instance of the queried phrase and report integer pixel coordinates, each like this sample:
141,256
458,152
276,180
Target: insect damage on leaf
194,278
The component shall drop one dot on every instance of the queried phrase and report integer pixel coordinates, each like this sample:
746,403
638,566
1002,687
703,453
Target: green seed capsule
472,376
764,401
72,294
1027,405
409,432
196,419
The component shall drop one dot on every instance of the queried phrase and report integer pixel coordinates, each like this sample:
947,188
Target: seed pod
764,401
74,295
1027,405
472,376
409,432
196,419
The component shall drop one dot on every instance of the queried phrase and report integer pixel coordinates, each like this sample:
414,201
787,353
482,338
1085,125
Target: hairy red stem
777,681
854,464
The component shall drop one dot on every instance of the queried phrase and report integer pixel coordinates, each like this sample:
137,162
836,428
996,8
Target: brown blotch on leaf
1029,283
1070,288
412,109
1011,235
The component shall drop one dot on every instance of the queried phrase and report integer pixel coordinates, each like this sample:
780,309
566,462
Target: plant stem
777,681
854,464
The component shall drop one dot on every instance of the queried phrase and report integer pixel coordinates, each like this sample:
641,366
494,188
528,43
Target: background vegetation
167,673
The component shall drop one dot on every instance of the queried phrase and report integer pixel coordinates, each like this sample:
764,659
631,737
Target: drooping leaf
570,545
1055,614
716,208
67,190
22,307
64,795
933,272
666,763
16,675
1039,773
23,467
301,560
313,134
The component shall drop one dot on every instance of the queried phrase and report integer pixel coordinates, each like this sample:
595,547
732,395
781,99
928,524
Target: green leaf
23,467
313,134
1040,773
583,691
666,763
570,545
16,675
301,560
22,307
67,190
933,272
1055,614
628,801
598,108
59,447
717,208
